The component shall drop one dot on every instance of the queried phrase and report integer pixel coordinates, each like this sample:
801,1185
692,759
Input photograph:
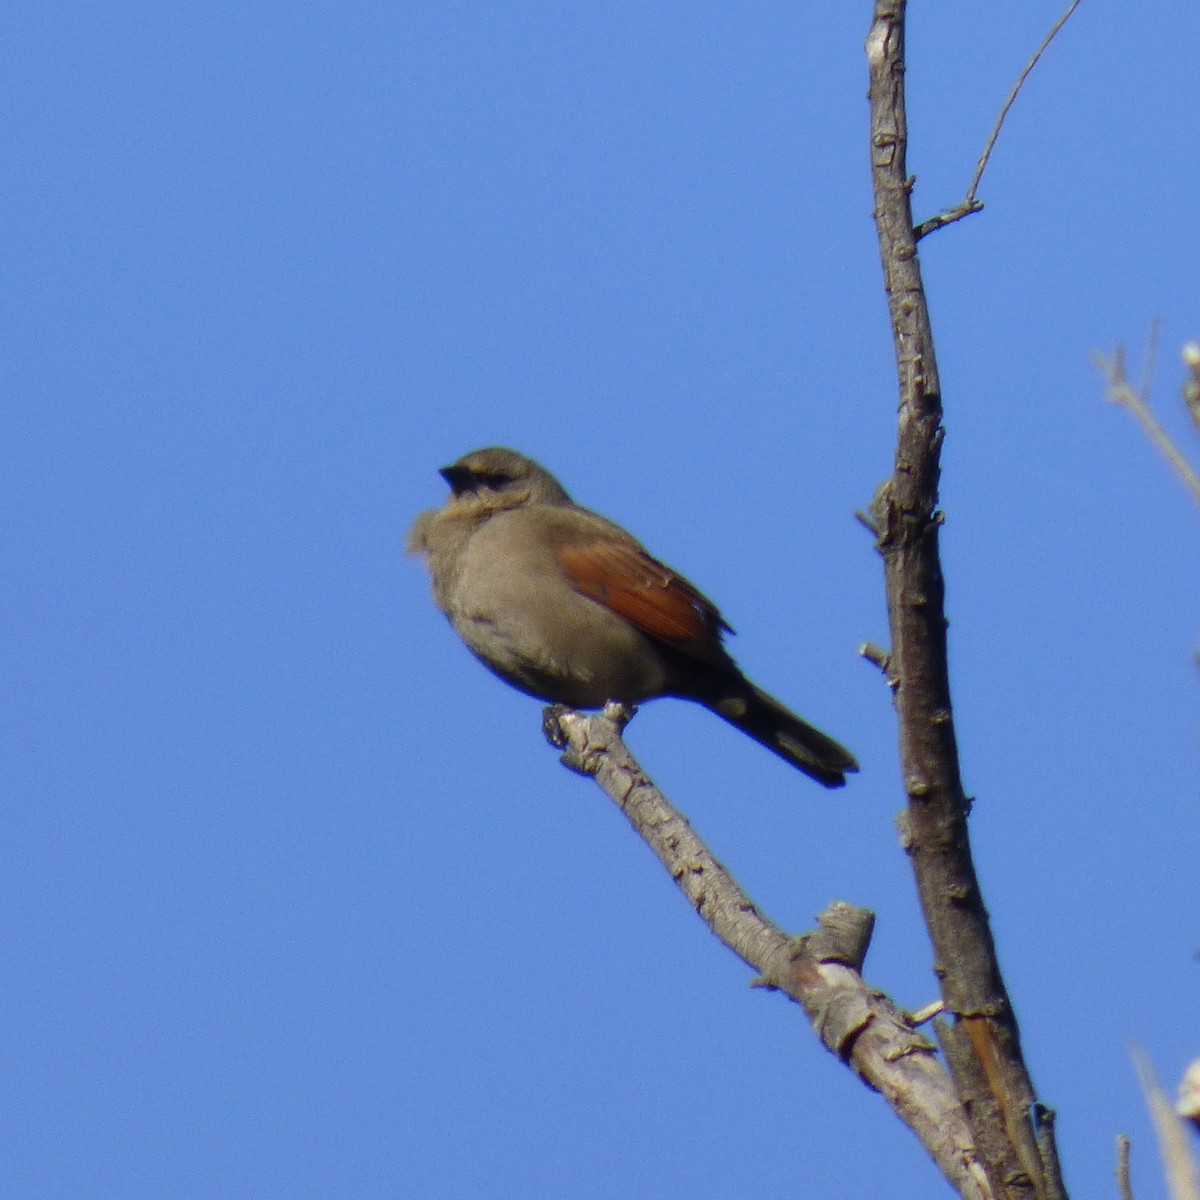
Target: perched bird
568,607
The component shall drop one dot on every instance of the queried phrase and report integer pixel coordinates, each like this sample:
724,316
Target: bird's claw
552,725
619,714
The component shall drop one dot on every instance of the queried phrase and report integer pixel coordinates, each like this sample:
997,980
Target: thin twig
1124,1185
1137,400
927,1012
969,203
877,655
991,142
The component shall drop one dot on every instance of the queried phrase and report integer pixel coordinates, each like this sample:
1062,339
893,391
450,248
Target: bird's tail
780,730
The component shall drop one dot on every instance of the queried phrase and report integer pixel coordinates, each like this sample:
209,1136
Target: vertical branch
1013,1133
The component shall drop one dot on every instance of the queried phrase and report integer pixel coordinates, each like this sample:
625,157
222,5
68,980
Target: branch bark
1013,1132
820,970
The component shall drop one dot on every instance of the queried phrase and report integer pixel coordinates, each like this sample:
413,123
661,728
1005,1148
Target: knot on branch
841,1021
843,935
585,738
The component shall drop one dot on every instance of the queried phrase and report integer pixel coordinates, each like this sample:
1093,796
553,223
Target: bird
568,607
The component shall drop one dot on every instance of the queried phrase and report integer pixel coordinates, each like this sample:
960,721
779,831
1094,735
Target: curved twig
969,203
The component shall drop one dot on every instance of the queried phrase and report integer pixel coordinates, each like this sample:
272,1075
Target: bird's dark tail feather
780,730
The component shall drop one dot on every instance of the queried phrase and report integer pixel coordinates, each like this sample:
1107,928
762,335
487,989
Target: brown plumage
568,607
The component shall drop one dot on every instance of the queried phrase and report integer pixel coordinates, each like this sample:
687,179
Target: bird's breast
516,609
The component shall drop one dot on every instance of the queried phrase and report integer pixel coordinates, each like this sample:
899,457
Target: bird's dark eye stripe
493,479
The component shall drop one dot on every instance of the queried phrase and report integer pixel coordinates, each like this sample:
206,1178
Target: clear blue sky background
296,901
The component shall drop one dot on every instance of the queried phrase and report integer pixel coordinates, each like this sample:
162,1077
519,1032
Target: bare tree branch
820,970
1013,1132
1124,1183
969,204
1179,1165
1137,401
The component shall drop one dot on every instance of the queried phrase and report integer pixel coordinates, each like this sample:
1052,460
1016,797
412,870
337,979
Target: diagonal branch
1179,1164
1013,1131
819,970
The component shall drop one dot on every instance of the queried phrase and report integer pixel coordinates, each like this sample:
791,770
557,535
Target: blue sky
297,902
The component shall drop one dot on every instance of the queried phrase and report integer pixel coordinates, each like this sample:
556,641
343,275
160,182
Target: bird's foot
620,714
552,726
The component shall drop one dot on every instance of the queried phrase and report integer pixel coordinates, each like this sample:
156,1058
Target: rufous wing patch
650,596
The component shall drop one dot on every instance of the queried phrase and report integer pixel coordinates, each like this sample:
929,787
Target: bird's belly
561,646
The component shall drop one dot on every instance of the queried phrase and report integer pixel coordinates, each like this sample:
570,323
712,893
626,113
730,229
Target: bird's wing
621,576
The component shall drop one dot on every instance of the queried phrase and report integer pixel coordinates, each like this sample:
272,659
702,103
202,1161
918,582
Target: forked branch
820,970
1136,399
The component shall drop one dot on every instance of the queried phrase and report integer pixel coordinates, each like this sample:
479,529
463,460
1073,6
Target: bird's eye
494,480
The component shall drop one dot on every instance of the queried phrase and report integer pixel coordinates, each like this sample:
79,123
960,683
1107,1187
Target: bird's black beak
458,477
